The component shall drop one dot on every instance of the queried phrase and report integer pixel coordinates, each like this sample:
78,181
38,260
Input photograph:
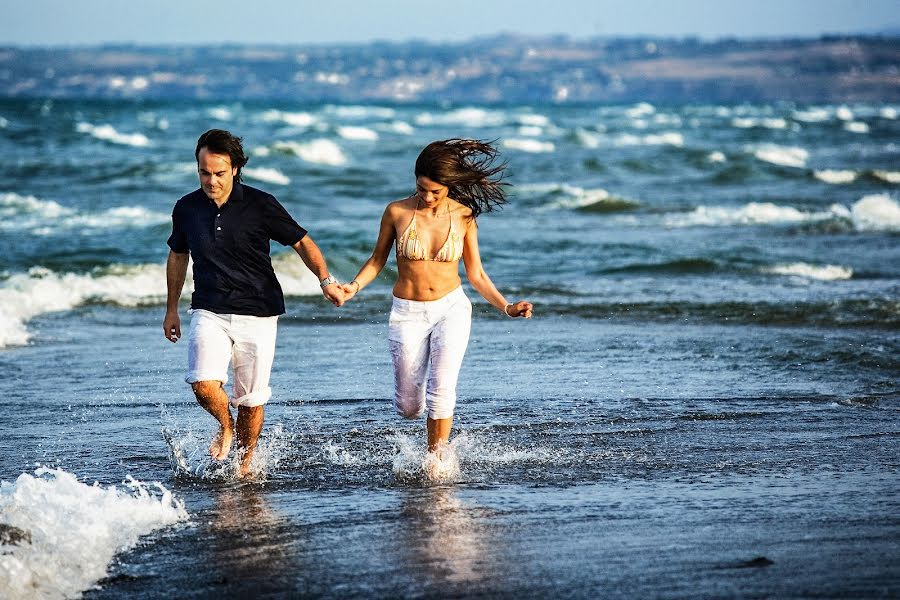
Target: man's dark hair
219,141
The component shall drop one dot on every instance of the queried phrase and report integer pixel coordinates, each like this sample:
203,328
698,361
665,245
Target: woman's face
430,193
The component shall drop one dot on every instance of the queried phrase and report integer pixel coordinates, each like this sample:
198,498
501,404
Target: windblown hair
219,141
468,169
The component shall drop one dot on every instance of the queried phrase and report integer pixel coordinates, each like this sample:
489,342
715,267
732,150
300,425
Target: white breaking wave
572,197
221,113
71,531
108,133
530,130
836,176
43,217
267,174
533,120
471,117
320,151
588,139
888,112
669,138
786,156
808,271
842,113
888,176
296,119
642,109
357,133
40,291
812,115
401,127
360,112
751,122
716,157
3,123
856,127
877,212
754,213
529,145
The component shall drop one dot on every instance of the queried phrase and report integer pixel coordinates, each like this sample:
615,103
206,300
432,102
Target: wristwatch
327,281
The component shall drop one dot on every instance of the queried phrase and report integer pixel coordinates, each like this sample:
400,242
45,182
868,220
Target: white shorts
428,334
245,342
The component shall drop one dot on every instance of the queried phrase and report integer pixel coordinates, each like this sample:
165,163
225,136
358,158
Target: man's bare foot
222,444
244,471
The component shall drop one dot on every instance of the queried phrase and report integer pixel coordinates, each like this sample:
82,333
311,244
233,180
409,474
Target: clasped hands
339,293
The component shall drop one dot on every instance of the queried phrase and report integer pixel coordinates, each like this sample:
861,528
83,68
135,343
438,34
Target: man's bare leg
212,397
249,424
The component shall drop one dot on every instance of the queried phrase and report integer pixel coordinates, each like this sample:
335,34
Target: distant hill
504,69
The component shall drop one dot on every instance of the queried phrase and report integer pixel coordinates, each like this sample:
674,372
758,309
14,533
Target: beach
704,405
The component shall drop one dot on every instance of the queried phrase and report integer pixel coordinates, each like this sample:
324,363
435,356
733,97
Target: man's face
216,175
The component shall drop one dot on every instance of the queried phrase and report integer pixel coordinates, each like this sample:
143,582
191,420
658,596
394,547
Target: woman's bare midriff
425,280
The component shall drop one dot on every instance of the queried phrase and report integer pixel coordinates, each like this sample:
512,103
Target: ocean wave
639,110
572,197
888,112
716,157
295,119
40,291
220,113
856,127
812,115
467,117
887,176
667,138
753,122
876,212
44,217
532,120
874,312
108,133
266,174
836,176
529,145
357,133
400,127
361,112
69,532
587,138
4,123
808,271
785,156
843,113
754,213
320,151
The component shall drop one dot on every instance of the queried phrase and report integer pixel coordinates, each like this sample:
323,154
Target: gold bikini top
410,247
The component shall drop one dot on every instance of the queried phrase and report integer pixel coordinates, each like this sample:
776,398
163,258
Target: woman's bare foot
221,444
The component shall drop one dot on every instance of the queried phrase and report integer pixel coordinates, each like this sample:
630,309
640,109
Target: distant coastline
505,69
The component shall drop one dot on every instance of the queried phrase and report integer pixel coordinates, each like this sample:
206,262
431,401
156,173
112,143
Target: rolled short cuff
195,376
442,409
257,398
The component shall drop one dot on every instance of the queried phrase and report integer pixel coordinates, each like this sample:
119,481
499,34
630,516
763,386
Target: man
226,226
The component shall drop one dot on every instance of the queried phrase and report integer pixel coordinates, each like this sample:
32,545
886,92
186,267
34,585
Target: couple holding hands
226,226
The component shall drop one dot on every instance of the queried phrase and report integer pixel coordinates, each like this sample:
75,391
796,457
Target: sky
89,22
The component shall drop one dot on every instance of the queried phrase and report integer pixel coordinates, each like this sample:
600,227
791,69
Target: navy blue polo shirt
230,247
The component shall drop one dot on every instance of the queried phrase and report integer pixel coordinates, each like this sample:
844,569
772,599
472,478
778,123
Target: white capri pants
244,341
423,333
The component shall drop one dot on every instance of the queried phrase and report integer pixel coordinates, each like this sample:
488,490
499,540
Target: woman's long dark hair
468,169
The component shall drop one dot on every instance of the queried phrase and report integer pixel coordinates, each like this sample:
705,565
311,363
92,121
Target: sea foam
786,156
887,176
470,117
266,174
667,138
320,151
72,531
295,119
42,217
529,145
876,212
108,133
357,133
836,176
808,271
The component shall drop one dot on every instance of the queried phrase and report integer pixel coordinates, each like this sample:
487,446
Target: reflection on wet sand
445,539
253,545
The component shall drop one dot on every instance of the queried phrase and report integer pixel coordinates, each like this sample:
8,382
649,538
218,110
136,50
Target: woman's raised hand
521,308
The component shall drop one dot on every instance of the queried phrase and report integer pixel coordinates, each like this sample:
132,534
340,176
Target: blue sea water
705,404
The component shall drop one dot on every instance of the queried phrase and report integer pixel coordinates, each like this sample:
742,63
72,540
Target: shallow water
705,405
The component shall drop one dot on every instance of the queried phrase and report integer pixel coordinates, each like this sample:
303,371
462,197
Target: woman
456,180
